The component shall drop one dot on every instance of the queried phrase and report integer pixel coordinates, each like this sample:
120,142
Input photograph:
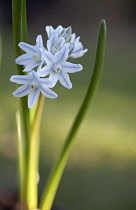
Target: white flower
59,37
33,56
54,44
51,31
58,68
76,49
32,85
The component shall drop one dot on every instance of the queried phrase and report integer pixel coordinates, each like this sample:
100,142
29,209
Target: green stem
56,174
21,159
20,34
34,157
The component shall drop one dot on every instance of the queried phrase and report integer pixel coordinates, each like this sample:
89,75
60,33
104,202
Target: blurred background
101,171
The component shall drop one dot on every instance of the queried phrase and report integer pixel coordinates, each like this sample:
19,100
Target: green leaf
56,173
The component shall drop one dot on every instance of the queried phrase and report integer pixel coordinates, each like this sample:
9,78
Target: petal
59,29
46,82
39,41
40,65
21,79
73,37
53,40
64,79
77,40
45,70
60,42
49,30
23,59
78,54
33,96
62,55
28,48
31,65
48,45
48,57
22,91
54,77
71,68
47,92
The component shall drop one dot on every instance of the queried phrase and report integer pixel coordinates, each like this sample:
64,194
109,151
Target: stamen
34,57
33,86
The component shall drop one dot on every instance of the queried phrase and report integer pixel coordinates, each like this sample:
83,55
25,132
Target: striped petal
21,79
62,55
71,68
46,81
64,79
48,57
24,59
31,65
33,96
54,77
47,92
22,91
28,48
43,72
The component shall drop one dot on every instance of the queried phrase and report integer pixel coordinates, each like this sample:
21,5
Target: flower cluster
46,66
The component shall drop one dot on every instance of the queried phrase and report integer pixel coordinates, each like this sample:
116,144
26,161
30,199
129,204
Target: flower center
34,85
55,49
57,67
34,57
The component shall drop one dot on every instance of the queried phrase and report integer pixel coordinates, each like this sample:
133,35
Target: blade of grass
56,173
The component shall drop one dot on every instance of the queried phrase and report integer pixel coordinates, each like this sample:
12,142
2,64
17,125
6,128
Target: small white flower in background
40,62
58,68
32,85
33,56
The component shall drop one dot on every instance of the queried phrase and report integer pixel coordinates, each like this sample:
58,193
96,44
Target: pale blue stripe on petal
23,59
62,55
22,91
48,57
31,65
47,92
33,96
21,79
64,79
71,68
28,48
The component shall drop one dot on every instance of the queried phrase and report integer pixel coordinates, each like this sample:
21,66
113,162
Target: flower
54,44
51,31
59,37
32,85
33,56
58,68
76,49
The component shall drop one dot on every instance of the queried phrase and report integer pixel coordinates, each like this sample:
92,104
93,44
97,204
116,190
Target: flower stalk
33,159
56,173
